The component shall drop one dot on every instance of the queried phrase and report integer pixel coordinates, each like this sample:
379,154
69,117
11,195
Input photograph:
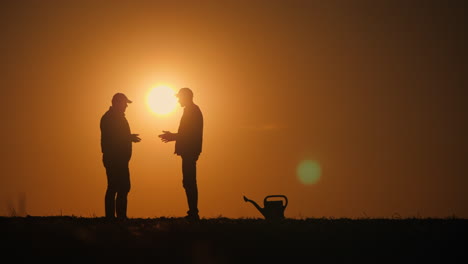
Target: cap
120,97
185,91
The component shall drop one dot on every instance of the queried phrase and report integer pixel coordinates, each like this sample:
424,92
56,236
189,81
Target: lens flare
309,172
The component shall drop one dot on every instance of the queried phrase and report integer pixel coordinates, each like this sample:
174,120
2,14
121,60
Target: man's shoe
192,218
110,218
121,218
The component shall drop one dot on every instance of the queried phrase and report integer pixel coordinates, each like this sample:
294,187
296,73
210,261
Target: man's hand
135,138
167,136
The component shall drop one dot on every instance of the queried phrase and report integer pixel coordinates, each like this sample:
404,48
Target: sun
161,100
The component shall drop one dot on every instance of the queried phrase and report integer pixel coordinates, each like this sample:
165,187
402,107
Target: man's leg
121,204
109,203
109,198
123,190
189,173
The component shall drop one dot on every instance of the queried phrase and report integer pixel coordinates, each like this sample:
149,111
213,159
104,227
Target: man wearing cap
188,145
116,146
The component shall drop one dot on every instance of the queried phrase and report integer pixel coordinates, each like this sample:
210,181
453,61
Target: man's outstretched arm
135,138
168,136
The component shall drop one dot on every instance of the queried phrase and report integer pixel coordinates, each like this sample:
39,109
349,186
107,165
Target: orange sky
375,94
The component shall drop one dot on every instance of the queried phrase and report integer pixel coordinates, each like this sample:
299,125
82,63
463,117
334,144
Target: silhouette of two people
116,146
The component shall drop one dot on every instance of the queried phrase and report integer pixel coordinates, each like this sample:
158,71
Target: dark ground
223,240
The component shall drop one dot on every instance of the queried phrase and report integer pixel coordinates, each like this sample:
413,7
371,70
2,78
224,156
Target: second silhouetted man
188,146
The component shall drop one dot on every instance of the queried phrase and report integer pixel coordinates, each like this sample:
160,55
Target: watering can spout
255,204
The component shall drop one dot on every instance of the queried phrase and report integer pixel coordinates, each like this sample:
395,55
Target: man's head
185,96
120,101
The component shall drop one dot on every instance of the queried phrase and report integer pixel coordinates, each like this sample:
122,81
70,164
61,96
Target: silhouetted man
188,146
116,146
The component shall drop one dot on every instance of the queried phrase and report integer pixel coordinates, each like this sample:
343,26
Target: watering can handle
282,196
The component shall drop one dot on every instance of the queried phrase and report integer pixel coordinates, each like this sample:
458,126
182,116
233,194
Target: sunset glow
343,108
161,100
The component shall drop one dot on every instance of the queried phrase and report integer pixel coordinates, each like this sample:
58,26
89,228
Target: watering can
272,209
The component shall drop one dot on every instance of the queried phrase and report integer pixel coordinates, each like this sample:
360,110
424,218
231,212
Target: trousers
118,187
189,182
